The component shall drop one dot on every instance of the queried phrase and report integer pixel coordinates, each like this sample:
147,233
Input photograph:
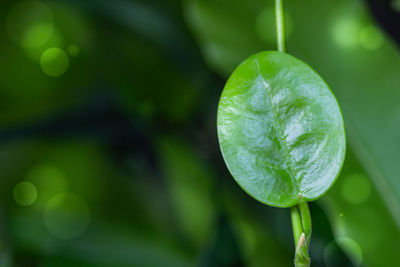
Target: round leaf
280,130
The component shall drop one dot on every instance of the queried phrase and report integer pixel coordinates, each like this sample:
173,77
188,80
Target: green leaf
189,184
281,130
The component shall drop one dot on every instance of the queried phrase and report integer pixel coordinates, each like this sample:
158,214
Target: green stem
302,264
305,221
296,224
301,222
280,25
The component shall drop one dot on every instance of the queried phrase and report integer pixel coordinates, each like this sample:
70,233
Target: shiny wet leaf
280,130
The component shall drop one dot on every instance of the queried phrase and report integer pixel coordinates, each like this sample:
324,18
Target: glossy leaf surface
280,129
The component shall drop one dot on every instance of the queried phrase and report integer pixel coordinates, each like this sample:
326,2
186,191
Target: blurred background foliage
108,147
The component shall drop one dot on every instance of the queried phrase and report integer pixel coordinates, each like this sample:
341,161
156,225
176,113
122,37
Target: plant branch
280,25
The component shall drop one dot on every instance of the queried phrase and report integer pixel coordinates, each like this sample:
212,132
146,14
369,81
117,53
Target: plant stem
305,221
280,25
301,222
302,264
296,224
301,217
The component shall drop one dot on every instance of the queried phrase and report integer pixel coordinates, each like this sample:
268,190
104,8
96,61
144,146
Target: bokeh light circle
352,248
30,24
25,193
371,38
331,255
49,181
356,188
66,216
345,31
54,62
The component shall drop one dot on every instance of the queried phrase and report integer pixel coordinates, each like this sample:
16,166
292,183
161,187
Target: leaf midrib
278,131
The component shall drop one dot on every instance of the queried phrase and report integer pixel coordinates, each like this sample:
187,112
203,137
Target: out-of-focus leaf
223,249
150,81
258,243
149,21
230,31
189,185
152,58
104,244
259,246
361,222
